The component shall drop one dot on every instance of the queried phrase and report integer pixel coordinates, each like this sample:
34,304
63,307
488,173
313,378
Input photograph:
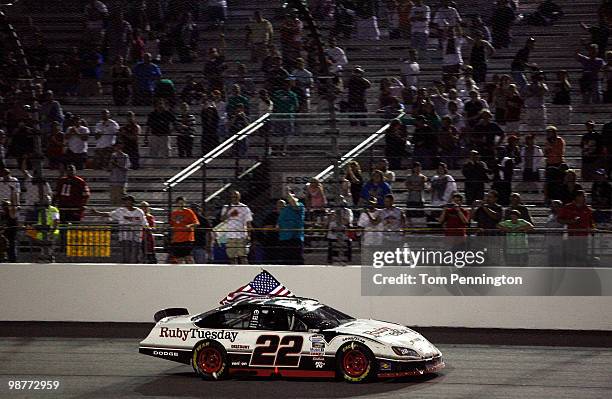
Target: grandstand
262,175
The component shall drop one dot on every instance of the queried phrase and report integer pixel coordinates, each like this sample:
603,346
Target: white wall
133,293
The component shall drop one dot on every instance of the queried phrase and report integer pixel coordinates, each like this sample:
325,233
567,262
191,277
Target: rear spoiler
170,312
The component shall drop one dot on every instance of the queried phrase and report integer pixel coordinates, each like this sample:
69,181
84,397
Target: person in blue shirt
291,230
146,74
375,188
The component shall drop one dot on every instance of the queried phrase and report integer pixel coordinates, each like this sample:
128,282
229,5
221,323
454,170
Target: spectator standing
514,109
221,107
9,225
215,67
370,221
502,20
420,16
601,197
291,230
561,108
31,196
50,111
590,85
393,221
593,154
118,36
106,136
9,185
316,200
183,222
416,184
337,235
516,251
210,125
447,15
443,186
578,217
118,179
532,159
452,50
355,178
473,108
336,55
450,143
455,219
479,57
146,74
159,126
239,219
410,69
425,143
291,39
259,36
235,99
516,204
500,99
193,91
71,196
476,176
56,148
132,222
239,121
185,131
122,78
376,189
303,84
486,136
357,87
520,63
554,150
395,144
569,187
91,65
487,214
77,136
129,135
202,248
535,108
148,238
286,102
554,239
607,78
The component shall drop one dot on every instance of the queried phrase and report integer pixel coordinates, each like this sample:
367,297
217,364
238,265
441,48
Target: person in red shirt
578,217
455,220
183,221
71,196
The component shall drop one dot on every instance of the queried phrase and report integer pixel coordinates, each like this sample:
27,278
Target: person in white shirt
370,221
452,54
8,185
132,222
238,218
388,175
303,84
410,69
393,220
31,195
222,112
443,186
420,16
106,134
76,139
336,55
336,233
447,15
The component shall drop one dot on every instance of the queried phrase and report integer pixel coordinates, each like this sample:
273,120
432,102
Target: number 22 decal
271,350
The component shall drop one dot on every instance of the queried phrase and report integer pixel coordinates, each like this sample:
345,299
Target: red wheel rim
355,363
209,360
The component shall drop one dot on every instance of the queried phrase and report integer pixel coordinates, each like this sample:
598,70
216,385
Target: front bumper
395,368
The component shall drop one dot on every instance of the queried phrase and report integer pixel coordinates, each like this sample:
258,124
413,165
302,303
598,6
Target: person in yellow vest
47,221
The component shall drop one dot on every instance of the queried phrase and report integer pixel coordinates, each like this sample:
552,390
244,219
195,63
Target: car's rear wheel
356,363
209,360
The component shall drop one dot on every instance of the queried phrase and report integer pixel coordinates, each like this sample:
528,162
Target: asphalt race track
112,368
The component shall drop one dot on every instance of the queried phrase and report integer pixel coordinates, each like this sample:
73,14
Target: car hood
390,334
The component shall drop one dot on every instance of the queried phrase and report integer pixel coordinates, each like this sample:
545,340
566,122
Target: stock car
290,337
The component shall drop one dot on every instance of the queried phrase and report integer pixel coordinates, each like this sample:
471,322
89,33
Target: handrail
357,150
216,152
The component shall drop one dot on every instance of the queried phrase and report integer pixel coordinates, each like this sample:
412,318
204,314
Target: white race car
291,337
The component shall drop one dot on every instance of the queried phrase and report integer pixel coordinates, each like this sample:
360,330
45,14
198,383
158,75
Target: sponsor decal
351,338
165,353
241,347
194,333
240,363
319,365
379,332
317,346
384,365
317,338
254,319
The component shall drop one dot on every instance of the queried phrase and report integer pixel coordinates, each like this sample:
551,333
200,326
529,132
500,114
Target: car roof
293,303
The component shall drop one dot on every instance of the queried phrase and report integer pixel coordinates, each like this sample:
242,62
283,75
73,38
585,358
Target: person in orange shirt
183,222
555,147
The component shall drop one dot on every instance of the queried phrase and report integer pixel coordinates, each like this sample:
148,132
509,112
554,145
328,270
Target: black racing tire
209,360
356,363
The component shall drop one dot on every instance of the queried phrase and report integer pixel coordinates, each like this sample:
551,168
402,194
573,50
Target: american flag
263,284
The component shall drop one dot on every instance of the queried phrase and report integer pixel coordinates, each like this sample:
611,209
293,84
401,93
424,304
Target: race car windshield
323,317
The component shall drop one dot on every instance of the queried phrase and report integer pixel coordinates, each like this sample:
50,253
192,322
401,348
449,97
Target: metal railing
356,151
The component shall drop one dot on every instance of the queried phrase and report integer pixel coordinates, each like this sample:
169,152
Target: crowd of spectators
471,123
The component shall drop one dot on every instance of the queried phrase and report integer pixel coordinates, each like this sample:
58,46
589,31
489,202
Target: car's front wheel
356,363
209,360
